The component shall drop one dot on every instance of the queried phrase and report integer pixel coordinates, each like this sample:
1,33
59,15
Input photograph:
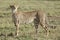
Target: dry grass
7,27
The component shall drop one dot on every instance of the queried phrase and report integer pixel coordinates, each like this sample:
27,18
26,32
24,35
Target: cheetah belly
27,21
30,20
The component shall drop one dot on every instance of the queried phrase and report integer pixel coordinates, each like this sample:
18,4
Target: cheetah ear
16,6
9,6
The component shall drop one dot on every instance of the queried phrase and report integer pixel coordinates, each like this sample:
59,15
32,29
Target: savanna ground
52,8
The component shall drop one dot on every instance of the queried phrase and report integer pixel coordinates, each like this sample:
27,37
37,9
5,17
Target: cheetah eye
12,6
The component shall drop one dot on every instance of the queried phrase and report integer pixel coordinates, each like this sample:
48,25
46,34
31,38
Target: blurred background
52,9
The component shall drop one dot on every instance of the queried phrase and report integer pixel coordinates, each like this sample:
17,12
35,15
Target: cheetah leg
17,27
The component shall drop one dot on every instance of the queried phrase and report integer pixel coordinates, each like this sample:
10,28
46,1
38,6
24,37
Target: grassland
52,8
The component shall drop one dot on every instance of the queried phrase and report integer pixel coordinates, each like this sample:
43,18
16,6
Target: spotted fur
19,17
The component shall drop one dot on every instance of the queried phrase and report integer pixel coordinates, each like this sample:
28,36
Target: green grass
52,8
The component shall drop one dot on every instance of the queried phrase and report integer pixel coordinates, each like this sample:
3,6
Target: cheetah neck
14,10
